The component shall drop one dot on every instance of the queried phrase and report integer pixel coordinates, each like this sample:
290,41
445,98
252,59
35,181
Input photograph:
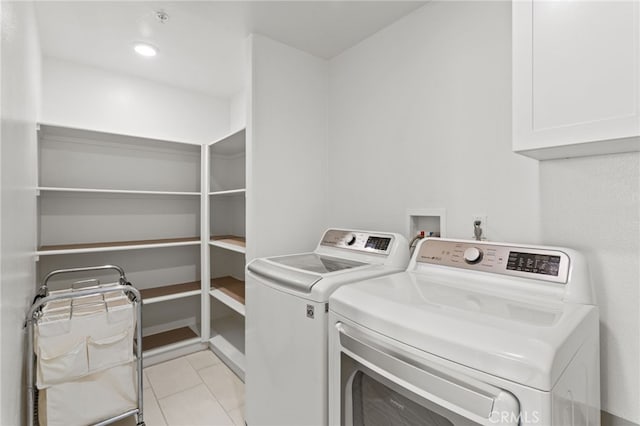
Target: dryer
286,321
473,333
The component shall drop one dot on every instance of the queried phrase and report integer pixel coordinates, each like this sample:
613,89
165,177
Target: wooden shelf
115,246
229,192
229,291
167,338
229,242
170,292
111,191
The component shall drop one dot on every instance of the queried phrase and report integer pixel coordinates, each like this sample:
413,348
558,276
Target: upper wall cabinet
576,78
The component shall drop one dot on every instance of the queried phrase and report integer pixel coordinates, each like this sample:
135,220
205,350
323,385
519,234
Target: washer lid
512,336
300,271
312,262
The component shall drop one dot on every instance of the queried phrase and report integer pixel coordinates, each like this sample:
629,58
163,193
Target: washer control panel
360,241
528,262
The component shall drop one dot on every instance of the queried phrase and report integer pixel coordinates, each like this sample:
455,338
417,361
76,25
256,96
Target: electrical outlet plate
483,224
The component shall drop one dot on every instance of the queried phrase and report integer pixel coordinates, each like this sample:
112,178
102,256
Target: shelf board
170,292
115,246
111,191
166,338
229,291
229,242
229,192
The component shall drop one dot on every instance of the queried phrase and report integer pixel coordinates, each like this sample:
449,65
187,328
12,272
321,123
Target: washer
286,321
473,333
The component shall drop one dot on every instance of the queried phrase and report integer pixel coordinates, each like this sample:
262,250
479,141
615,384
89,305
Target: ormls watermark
509,417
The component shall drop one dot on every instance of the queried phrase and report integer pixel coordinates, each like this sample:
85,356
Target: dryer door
384,384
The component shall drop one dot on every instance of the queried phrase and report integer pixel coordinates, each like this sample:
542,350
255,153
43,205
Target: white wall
238,111
420,117
80,96
286,149
593,205
20,104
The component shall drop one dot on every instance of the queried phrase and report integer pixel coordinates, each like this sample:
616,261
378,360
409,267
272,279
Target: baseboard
609,419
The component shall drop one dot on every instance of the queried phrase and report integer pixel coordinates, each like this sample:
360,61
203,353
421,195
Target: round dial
351,240
472,255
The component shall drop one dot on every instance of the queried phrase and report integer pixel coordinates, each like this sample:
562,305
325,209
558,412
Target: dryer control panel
357,240
528,262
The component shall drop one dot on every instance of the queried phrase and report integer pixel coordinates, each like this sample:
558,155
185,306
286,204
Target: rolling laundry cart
81,366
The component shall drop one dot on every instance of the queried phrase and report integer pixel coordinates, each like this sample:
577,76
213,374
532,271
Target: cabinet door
575,77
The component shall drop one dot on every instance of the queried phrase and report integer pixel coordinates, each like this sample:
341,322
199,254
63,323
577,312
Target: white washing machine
286,321
473,333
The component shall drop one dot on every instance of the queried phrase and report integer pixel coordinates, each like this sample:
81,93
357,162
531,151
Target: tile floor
195,390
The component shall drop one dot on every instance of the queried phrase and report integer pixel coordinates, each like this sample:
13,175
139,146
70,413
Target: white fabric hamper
89,399
85,369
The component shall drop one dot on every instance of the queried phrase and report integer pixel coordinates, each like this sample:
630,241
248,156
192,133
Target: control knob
472,255
351,240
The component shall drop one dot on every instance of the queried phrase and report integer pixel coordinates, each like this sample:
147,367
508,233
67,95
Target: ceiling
202,45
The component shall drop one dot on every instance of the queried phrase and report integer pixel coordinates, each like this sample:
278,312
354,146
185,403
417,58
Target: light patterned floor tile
237,415
152,414
224,385
194,407
171,377
203,359
150,410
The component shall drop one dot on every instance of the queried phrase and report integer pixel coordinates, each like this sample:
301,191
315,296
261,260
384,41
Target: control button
351,241
472,255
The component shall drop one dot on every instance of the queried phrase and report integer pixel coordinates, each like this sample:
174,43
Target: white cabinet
135,202
576,77
226,182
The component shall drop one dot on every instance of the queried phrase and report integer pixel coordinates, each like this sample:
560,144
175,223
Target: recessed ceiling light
145,49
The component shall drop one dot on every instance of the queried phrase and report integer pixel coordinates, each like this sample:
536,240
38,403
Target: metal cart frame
34,313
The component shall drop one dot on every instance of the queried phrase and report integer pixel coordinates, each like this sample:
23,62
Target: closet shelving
227,247
102,195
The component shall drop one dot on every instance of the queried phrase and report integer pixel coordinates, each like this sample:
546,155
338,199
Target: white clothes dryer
286,321
473,333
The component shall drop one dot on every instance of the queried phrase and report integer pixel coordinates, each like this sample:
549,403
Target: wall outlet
483,225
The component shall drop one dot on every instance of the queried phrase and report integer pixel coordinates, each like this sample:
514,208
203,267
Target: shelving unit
102,195
180,207
226,206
